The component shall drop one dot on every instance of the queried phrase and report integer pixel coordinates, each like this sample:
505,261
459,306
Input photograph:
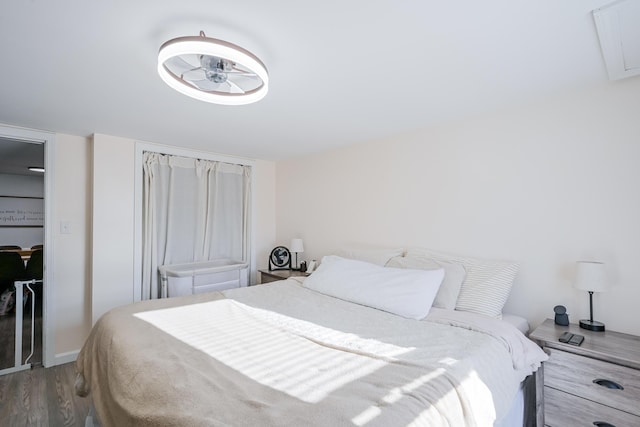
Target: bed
285,354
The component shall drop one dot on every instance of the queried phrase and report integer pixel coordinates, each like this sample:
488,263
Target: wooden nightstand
595,384
267,276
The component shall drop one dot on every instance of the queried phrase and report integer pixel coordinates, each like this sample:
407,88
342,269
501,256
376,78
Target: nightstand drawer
266,278
563,409
576,374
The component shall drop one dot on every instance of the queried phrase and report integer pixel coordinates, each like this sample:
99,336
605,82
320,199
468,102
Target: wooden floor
42,397
39,396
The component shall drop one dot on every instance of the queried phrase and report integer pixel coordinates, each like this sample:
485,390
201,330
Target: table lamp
296,246
590,277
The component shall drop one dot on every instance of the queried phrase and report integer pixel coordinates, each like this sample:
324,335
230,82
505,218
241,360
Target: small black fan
280,259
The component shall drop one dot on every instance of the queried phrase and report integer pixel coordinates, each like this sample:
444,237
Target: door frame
48,139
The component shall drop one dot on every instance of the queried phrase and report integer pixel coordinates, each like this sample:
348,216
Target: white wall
264,211
112,223
22,186
71,314
544,185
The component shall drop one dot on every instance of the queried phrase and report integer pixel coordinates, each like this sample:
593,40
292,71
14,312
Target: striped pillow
378,256
487,285
454,275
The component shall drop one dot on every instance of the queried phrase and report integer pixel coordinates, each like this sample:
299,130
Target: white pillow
487,285
407,293
454,275
374,256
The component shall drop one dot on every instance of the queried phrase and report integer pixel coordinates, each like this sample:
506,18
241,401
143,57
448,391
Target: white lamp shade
590,276
297,245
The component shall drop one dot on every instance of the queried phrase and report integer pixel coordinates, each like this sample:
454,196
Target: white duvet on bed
280,354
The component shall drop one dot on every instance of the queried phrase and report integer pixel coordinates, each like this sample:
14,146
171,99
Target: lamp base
592,325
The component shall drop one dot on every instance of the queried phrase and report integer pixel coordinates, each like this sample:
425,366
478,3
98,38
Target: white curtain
193,210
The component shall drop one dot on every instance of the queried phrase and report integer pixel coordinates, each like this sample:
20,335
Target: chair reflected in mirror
11,269
34,269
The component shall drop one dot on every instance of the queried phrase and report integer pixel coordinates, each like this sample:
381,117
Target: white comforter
280,354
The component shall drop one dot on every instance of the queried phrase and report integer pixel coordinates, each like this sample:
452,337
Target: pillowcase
407,293
487,285
454,275
374,256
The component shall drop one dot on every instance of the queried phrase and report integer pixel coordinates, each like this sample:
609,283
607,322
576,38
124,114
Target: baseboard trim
68,357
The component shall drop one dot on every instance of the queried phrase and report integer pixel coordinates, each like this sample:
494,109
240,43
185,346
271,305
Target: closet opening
193,214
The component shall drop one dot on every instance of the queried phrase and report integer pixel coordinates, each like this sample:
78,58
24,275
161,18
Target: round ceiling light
212,70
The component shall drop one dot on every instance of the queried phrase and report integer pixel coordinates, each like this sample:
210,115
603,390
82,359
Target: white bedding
280,354
402,291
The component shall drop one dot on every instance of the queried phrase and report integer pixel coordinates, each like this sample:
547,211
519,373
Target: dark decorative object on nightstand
562,318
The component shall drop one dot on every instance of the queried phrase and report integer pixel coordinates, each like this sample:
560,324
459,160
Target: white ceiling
340,71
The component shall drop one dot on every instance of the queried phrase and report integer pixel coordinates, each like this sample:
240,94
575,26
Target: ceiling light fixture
36,169
212,70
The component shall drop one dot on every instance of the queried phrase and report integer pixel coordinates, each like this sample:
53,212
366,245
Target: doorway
24,211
